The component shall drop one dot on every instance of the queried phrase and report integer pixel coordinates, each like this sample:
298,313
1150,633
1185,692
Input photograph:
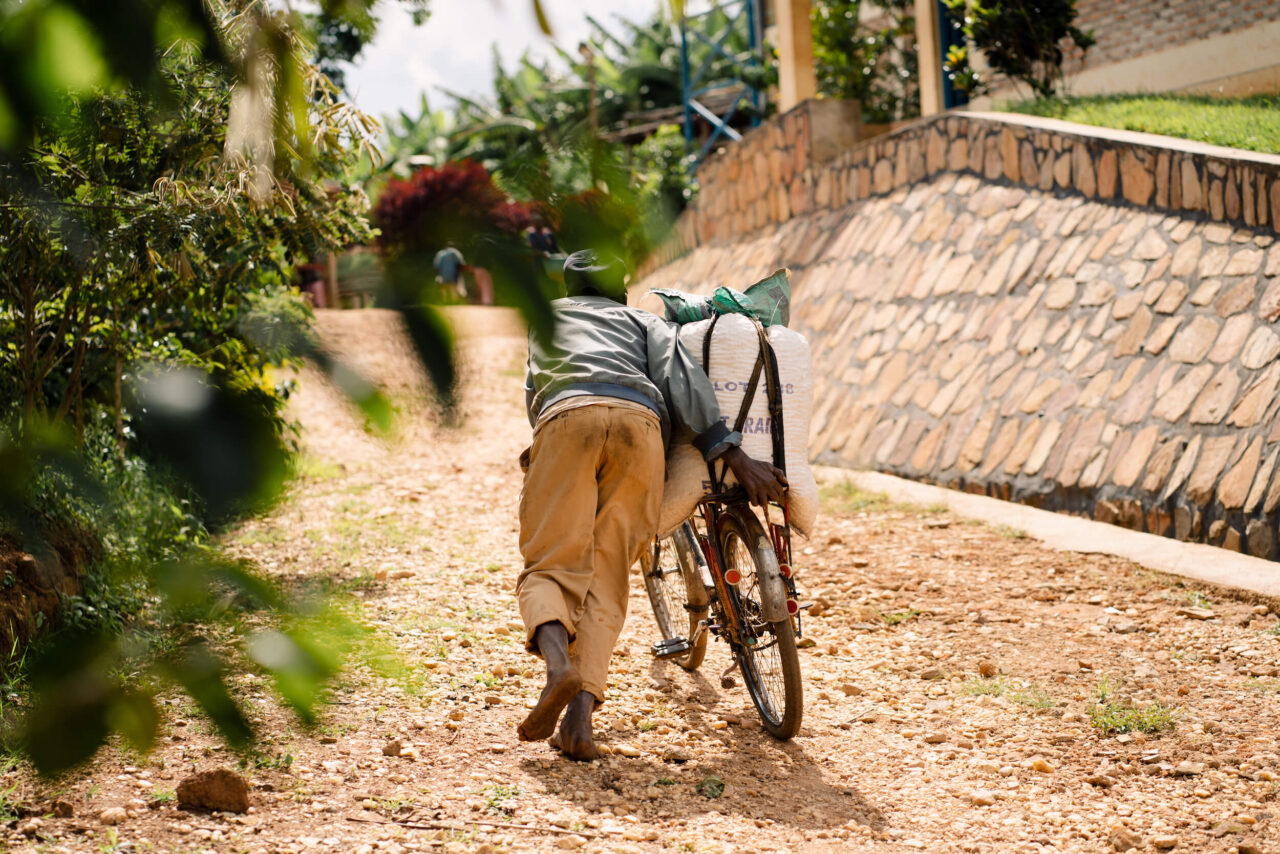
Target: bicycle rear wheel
676,593
768,659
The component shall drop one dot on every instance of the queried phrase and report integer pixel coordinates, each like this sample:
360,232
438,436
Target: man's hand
761,481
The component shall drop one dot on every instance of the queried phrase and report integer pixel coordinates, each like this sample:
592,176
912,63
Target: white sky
452,50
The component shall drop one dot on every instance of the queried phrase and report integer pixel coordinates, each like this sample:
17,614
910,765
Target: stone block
1173,405
1252,406
1161,462
1192,194
1172,297
1044,443
1130,341
924,457
1162,179
1082,166
1230,341
1234,487
1009,156
1061,294
992,163
1136,180
1260,538
1131,462
1260,349
1206,292
1208,467
1124,307
1216,207
1260,481
972,452
1134,404
1107,174
1269,305
1238,298
1215,401
1193,343
1186,258
1244,262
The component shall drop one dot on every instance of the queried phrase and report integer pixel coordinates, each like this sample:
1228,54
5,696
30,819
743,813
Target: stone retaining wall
1082,322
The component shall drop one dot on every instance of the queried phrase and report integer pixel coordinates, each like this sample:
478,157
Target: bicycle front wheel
679,600
768,659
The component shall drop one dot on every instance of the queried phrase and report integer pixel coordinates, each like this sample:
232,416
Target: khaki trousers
589,506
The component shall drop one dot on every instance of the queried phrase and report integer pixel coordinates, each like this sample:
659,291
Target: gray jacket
602,347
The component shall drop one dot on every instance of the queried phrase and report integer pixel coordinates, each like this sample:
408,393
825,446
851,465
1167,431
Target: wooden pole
929,52
796,80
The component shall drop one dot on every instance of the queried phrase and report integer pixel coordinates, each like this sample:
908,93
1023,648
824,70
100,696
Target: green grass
1114,715
1009,533
1251,123
711,787
977,687
497,797
893,618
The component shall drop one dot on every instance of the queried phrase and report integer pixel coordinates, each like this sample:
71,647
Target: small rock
328,739
674,754
1189,769
935,738
932,673
1042,765
30,827
982,797
113,815
457,715
987,668
393,748
1126,627
492,700
1122,838
627,750
1196,613
1164,843
806,643
62,809
1261,610
1248,848
220,789
850,690
501,630
1100,780
571,843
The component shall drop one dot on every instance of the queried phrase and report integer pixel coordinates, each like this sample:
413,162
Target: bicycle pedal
671,647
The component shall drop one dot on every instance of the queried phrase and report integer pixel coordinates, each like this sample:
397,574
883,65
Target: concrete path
1190,560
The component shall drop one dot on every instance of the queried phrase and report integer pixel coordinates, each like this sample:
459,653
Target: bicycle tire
672,586
770,666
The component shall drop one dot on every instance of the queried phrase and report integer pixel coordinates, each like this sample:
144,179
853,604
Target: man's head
588,275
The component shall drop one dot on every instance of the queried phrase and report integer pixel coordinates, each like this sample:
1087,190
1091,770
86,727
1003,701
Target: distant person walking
450,266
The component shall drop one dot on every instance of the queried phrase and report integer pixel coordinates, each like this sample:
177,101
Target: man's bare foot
574,738
562,686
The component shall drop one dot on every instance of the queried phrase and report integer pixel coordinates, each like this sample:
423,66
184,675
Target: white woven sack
733,356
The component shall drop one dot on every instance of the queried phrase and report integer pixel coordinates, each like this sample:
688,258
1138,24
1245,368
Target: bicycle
733,581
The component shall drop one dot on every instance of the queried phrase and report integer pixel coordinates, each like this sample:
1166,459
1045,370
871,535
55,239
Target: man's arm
693,407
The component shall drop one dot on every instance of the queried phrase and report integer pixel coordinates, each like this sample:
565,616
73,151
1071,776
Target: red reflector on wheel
733,576
785,571
793,607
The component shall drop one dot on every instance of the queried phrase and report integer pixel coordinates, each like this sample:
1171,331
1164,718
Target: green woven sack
770,298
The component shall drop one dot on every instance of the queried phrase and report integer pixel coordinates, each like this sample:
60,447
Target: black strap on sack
766,364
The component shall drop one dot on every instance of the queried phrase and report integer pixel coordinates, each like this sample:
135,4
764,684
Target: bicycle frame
730,607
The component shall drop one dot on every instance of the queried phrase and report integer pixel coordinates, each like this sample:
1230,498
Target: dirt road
966,687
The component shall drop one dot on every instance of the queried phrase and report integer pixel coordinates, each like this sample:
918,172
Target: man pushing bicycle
605,395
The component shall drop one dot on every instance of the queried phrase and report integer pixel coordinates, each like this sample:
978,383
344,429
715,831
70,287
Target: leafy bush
878,68
1024,40
452,203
